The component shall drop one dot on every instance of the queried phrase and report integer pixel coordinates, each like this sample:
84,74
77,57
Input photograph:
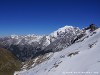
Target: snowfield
81,58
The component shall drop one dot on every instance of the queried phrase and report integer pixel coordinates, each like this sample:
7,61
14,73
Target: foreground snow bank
81,58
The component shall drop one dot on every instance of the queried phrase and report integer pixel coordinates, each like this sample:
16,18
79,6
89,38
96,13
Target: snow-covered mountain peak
64,31
23,36
23,39
65,28
14,36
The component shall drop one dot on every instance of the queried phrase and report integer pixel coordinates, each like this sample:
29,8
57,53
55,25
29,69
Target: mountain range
30,46
56,53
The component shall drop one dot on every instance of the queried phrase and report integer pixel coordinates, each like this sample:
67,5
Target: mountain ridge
29,46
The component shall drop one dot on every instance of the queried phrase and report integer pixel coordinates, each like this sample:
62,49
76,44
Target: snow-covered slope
81,58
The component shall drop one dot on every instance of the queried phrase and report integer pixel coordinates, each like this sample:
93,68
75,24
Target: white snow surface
86,61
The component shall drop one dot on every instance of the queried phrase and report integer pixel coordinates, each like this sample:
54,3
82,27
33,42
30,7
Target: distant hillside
8,63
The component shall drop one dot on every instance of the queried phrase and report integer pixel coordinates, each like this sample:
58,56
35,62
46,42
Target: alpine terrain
67,51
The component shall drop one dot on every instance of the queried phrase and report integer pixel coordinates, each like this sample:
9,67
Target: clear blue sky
45,16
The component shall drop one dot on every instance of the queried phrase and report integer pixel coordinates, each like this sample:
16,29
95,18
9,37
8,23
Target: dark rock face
92,27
